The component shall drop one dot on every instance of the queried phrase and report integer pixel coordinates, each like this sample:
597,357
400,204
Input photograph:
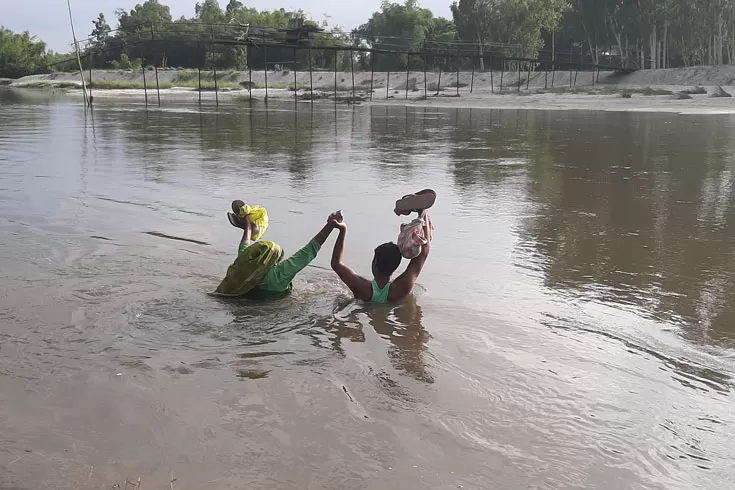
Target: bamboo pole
520,81
145,88
502,73
158,87
457,82
250,77
528,80
492,88
199,71
76,49
352,68
372,74
265,61
426,87
439,81
570,70
408,71
387,86
335,76
311,77
295,90
216,86
472,80
91,59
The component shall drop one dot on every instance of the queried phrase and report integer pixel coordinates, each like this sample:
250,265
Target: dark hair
387,258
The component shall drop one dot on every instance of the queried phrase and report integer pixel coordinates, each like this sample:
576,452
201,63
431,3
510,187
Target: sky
48,20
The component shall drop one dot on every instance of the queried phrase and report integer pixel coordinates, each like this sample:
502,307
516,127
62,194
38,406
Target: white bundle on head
413,237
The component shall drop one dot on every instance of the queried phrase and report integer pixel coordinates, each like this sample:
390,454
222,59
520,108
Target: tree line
630,33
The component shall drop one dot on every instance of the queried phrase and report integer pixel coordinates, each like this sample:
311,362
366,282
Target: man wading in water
387,258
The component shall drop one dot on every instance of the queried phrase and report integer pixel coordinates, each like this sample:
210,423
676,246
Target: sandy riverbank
545,91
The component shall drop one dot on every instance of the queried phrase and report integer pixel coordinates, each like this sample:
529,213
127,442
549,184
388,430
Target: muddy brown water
574,326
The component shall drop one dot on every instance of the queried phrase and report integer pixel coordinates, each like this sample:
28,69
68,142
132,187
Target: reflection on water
573,328
641,218
399,324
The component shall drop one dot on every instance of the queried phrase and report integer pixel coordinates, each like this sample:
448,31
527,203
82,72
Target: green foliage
635,33
516,23
138,26
653,33
125,63
233,6
209,12
404,27
60,62
21,54
101,31
441,30
142,16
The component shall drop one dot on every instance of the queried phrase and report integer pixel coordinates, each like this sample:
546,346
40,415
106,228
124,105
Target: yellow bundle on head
258,217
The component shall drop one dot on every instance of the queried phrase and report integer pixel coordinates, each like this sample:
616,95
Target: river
574,326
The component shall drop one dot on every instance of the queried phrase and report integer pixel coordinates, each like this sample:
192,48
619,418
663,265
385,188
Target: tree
233,6
102,47
655,33
143,16
517,24
209,12
139,26
441,30
101,32
21,54
584,22
399,27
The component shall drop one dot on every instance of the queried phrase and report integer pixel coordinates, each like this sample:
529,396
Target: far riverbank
681,90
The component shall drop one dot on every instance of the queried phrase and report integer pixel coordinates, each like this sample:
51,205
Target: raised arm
403,285
360,287
247,233
324,233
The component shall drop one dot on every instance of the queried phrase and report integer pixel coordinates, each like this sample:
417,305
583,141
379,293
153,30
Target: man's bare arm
360,287
324,233
403,285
